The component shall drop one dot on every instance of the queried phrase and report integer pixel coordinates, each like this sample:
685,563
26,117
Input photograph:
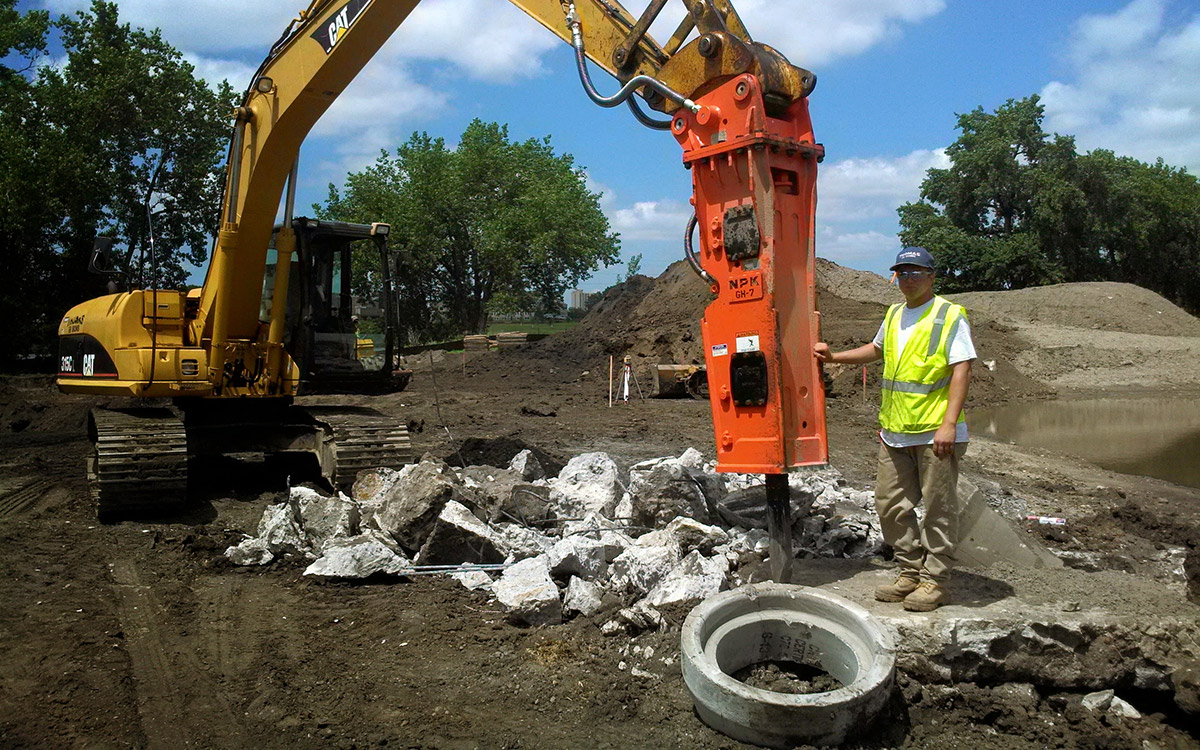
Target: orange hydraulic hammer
754,178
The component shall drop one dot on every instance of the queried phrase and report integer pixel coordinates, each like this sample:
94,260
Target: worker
926,347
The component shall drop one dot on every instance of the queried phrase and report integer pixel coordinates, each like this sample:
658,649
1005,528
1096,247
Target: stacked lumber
478,343
511,339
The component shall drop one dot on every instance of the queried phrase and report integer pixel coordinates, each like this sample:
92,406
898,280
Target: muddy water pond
1157,437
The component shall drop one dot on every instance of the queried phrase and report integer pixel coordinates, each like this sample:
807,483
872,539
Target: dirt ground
141,634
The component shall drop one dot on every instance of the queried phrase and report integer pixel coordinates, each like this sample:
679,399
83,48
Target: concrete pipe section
783,623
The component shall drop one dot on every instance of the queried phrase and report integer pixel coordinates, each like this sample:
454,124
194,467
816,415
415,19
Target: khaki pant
905,477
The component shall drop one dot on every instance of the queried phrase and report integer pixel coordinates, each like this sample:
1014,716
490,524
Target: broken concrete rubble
360,556
578,555
588,483
665,488
324,518
696,577
639,568
410,507
456,518
528,592
458,536
582,597
527,465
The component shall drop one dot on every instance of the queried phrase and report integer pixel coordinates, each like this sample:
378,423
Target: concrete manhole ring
778,622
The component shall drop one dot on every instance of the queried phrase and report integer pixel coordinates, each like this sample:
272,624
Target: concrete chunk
529,594
638,569
695,577
578,555
609,532
527,465
372,486
691,535
280,531
473,580
582,597
588,483
518,542
324,518
458,536
410,508
662,488
251,551
361,556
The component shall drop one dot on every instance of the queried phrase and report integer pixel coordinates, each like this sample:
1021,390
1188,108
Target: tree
489,225
1017,207
634,267
120,139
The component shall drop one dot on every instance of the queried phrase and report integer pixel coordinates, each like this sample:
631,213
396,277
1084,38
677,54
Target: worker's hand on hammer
943,440
822,351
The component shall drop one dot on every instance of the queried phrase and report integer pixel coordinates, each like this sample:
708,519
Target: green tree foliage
119,136
1018,207
634,267
489,225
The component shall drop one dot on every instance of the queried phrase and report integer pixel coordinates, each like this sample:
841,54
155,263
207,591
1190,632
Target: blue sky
1117,74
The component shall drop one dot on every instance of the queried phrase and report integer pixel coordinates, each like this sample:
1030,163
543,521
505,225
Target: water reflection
1158,437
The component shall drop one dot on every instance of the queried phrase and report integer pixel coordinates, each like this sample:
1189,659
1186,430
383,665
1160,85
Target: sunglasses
911,274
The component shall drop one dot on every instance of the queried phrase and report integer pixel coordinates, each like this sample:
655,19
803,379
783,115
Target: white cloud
509,45
870,251
813,34
857,201
865,189
1134,89
202,26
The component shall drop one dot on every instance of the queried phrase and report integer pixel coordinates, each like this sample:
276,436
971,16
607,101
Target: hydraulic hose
645,119
690,252
632,84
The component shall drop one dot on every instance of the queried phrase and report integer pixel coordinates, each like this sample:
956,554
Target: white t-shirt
961,350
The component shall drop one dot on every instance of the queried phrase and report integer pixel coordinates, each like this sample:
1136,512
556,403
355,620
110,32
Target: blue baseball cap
913,256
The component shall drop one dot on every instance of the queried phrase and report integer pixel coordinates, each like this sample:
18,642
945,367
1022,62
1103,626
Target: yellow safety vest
916,381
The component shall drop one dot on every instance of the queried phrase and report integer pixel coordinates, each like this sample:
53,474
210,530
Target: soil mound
1101,305
854,285
657,319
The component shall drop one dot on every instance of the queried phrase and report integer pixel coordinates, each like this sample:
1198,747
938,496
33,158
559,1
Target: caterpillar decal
339,23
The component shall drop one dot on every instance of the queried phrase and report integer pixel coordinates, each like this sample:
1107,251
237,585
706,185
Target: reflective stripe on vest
916,380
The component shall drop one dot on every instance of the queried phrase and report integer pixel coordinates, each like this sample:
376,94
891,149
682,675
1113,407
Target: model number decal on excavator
746,288
339,23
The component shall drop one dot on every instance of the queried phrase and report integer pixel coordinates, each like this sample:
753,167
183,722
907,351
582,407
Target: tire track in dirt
179,705
13,503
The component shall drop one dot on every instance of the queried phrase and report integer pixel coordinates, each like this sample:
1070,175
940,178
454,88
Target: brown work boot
928,597
905,584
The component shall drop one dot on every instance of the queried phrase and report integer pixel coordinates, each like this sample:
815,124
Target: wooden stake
864,384
610,377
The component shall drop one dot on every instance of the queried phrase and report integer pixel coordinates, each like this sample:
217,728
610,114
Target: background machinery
232,365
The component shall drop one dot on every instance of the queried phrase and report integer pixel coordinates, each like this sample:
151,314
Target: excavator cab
341,342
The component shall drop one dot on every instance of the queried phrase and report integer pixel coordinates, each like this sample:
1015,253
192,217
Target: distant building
581,299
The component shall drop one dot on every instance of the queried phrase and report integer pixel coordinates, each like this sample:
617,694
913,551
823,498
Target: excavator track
364,440
140,461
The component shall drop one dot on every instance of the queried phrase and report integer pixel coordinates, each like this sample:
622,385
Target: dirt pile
1098,305
655,319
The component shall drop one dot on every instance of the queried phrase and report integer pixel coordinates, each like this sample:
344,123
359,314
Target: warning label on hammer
747,344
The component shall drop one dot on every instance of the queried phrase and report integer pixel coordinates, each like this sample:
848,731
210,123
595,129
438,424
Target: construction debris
671,530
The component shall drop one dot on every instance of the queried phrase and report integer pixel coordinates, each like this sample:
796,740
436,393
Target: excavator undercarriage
142,456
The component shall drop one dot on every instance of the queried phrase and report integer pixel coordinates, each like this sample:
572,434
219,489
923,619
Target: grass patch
547,328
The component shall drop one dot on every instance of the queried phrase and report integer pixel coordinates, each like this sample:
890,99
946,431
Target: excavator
233,354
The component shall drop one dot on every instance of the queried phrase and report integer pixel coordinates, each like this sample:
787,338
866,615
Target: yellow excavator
269,324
